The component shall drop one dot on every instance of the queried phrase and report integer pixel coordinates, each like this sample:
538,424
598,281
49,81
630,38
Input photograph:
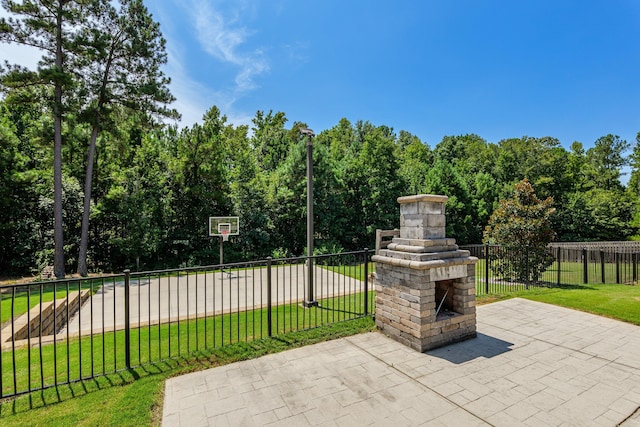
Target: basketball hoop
224,227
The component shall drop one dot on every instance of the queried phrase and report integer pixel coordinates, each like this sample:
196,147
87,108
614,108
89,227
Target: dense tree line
155,189
142,191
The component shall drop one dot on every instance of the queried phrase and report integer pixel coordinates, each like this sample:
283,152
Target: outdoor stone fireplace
425,285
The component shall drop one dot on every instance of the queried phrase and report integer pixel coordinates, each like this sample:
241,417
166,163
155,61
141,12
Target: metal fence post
602,265
269,315
558,256
366,281
585,269
526,266
617,268
634,268
127,325
486,269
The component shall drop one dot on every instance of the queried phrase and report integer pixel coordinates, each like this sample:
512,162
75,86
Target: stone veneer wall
407,272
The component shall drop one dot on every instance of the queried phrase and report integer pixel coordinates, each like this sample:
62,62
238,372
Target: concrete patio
532,364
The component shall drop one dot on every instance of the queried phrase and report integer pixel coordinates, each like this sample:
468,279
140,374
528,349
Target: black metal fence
500,269
55,333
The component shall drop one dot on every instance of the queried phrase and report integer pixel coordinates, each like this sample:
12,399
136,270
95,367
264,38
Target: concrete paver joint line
390,365
526,367
590,355
560,345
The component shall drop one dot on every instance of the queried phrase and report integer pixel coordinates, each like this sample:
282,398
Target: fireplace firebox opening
445,301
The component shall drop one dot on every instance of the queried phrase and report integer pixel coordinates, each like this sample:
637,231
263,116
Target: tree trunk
58,234
84,237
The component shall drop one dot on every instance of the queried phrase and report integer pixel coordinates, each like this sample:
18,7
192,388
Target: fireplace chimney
425,285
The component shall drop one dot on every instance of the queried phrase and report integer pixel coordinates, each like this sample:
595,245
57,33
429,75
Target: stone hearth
425,285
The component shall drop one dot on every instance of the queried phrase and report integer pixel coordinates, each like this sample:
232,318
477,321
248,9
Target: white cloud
297,53
193,98
213,33
221,37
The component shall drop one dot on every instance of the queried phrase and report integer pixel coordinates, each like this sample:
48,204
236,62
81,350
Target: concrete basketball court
164,299
532,364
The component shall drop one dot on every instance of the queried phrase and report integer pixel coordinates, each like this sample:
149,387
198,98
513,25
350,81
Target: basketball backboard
224,225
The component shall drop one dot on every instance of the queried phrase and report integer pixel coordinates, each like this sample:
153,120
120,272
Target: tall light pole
310,301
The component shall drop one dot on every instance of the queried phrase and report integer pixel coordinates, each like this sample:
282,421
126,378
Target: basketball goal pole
311,300
221,250
223,238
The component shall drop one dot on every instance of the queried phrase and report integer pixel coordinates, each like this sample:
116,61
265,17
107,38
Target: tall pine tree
120,68
50,26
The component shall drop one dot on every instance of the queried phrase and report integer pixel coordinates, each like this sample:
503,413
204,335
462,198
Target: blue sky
496,68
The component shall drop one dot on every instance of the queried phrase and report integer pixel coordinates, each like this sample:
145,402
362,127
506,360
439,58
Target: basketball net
225,235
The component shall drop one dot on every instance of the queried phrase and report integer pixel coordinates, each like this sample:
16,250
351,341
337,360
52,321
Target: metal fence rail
500,269
55,333
619,246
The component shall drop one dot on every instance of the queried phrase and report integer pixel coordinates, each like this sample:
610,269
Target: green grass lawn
620,302
355,271
571,273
